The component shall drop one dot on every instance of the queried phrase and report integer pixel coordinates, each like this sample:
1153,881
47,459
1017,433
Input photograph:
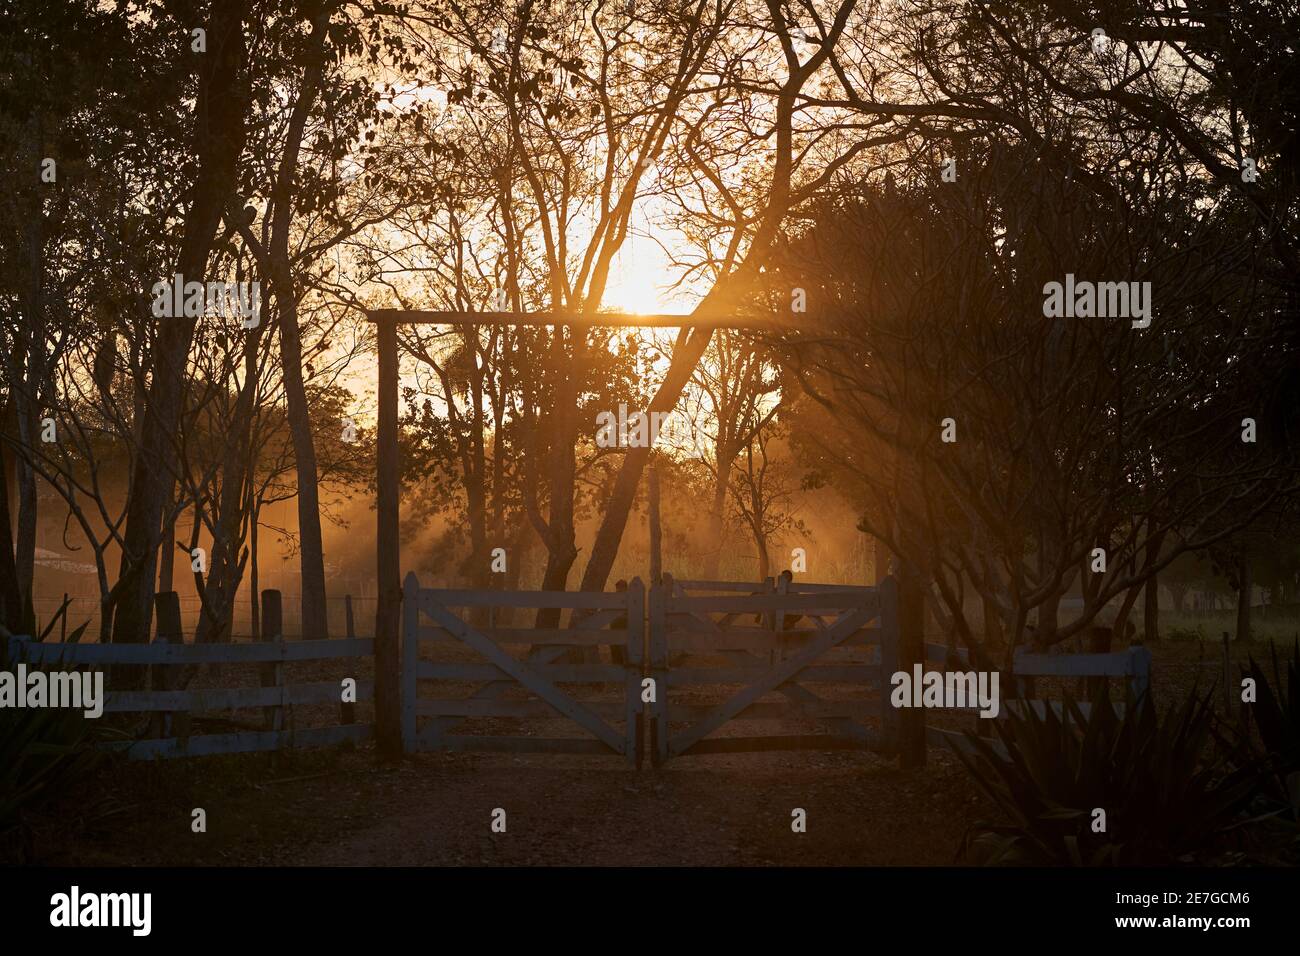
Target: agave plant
1276,742
1277,711
39,748
1165,797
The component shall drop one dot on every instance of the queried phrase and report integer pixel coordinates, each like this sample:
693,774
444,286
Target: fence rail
173,706
719,657
1133,665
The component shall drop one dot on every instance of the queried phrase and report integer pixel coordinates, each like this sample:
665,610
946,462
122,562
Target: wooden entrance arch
388,663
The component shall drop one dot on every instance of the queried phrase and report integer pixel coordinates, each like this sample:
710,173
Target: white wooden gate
491,676
723,658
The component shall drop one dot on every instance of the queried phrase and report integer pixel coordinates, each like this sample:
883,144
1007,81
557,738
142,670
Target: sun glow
640,280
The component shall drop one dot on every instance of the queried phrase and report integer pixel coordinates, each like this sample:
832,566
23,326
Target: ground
341,809
346,808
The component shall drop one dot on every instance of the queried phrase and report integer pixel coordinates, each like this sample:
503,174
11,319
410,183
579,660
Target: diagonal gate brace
526,675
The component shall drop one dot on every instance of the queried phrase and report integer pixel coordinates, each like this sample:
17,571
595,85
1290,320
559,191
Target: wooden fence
170,660
717,659
1133,665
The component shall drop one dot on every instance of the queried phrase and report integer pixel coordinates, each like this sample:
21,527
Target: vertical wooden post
167,611
272,673
348,712
880,562
659,669
778,617
1140,666
409,684
888,593
769,587
388,704
634,662
911,651
656,530
19,648
1227,679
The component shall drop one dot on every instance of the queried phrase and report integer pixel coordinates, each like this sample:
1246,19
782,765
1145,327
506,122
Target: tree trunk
717,515
656,531
26,393
167,568
315,616
880,560
25,545
1151,611
226,567
992,626
315,620
1178,596
561,549
1245,585
253,575
764,561
690,347
219,139
11,603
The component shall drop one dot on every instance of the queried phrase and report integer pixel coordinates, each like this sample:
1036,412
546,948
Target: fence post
769,587
888,595
347,711
1140,667
273,673
167,607
408,686
634,665
17,650
911,651
778,619
659,669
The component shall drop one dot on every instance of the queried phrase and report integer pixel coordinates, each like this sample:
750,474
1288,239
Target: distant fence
1132,665
169,659
85,609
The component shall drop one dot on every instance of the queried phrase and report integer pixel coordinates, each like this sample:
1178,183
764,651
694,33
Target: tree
1068,436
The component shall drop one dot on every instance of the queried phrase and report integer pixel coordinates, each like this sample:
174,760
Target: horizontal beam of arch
573,319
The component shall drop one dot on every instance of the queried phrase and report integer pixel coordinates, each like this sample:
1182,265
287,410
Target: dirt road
436,810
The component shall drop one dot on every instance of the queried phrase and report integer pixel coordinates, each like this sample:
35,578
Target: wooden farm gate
769,642
481,676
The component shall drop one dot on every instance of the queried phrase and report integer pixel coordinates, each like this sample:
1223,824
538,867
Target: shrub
39,750
1276,717
1165,797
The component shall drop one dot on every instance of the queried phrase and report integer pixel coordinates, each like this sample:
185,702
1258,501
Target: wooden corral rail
173,707
1134,665
770,641
616,620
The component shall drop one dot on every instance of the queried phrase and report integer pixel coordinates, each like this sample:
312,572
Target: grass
1278,626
